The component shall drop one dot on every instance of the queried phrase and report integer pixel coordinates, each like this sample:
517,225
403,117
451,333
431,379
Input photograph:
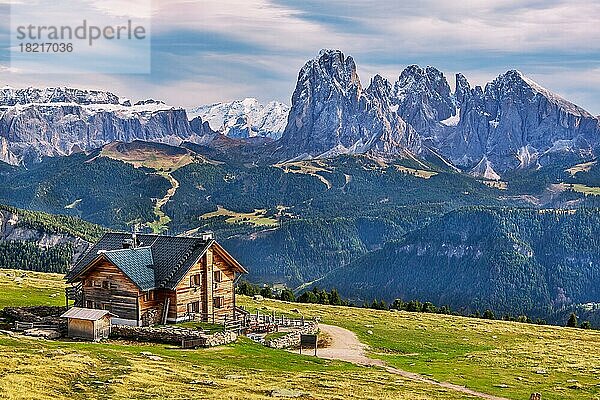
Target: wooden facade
89,324
205,292
106,287
91,330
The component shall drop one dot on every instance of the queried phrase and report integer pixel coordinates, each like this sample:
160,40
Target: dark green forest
520,261
29,256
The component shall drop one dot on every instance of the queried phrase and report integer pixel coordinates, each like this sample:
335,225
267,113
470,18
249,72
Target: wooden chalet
154,279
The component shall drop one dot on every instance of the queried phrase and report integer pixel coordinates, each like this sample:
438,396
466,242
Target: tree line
332,297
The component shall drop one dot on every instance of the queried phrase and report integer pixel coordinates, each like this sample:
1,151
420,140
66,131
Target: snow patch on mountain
245,118
452,120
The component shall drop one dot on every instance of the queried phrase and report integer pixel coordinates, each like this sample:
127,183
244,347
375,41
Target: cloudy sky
216,50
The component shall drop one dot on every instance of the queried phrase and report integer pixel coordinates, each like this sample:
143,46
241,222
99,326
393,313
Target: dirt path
163,219
345,346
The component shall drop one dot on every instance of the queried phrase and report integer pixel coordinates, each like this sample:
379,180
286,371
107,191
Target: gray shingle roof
136,263
85,313
171,257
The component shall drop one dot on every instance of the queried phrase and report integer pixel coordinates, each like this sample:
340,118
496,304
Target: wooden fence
23,326
258,322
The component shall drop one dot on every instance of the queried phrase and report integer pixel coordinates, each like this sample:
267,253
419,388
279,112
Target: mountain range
405,189
243,119
513,123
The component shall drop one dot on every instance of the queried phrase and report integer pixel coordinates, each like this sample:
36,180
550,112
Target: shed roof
88,314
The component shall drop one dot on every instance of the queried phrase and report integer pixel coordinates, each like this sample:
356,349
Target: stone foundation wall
46,314
292,339
171,335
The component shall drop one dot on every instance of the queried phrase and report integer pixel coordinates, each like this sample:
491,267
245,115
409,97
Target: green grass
588,190
25,288
560,363
161,224
275,335
38,369
256,218
69,370
477,353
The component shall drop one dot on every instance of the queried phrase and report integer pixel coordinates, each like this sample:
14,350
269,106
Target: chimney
206,236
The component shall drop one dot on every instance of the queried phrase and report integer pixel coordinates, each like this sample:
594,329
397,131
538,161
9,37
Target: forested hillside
376,227
98,189
519,261
43,242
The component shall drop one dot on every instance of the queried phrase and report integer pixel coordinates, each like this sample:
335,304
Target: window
114,286
107,307
193,308
195,280
105,284
217,276
97,283
219,302
150,296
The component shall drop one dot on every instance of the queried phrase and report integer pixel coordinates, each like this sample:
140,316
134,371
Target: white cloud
382,35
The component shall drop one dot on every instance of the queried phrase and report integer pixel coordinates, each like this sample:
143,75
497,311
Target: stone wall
47,314
171,335
292,339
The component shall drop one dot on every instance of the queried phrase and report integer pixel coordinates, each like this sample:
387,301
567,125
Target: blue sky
207,50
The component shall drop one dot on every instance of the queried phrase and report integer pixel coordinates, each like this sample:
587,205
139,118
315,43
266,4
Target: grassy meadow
25,288
502,358
506,359
40,369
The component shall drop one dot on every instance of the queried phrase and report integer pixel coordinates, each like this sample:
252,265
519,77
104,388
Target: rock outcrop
35,123
12,230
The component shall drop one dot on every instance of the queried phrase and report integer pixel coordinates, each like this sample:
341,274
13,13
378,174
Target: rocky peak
331,114
423,97
463,89
332,66
380,88
515,123
11,97
515,86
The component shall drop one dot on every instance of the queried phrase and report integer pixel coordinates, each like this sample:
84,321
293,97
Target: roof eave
239,267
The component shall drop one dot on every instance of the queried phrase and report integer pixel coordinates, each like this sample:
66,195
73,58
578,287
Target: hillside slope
509,260
510,360
39,241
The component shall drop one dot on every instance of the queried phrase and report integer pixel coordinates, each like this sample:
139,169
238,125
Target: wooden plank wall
121,296
224,288
79,328
185,293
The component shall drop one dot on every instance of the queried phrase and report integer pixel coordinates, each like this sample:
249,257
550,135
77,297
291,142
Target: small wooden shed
88,323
